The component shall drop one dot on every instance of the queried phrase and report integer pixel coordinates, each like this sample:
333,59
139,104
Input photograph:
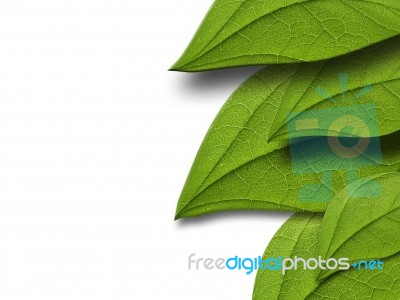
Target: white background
96,140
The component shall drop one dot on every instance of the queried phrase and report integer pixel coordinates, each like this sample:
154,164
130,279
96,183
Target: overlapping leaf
299,237
249,32
244,161
363,221
360,285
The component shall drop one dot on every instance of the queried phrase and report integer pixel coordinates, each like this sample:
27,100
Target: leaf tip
173,68
178,214
177,67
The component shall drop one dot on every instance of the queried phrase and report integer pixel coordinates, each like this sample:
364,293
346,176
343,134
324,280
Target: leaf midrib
200,55
291,253
393,209
199,190
275,137
293,250
344,209
283,207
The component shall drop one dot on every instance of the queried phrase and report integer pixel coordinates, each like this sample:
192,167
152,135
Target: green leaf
297,237
244,160
362,284
363,228
251,32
